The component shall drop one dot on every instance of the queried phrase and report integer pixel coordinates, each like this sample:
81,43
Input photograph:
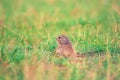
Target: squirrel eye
59,37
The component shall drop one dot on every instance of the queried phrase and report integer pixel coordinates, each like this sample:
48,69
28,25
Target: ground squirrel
64,47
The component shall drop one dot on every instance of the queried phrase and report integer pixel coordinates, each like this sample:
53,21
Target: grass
28,30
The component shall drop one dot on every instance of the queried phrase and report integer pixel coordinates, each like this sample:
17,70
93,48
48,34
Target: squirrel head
63,40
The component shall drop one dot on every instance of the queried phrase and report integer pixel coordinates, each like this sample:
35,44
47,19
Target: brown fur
64,47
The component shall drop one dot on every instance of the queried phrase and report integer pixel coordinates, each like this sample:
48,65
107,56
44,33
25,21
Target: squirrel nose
56,38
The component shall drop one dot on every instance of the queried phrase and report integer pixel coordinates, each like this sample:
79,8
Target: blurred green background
28,30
